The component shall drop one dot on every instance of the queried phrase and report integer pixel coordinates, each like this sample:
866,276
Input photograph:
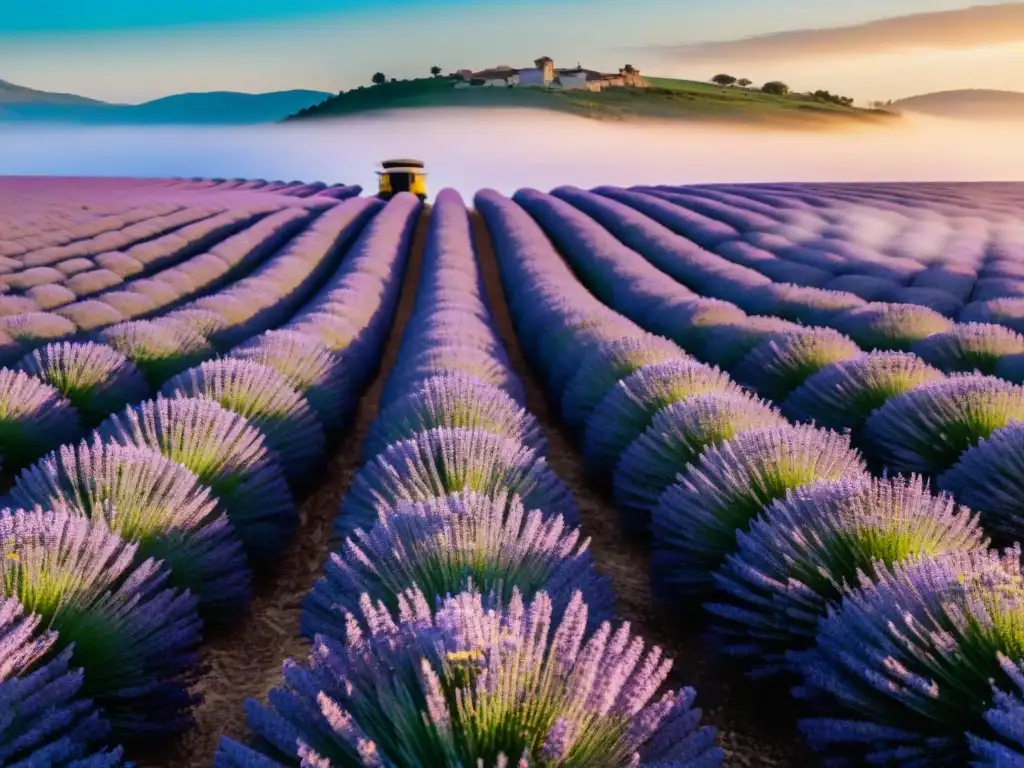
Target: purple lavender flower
34,417
149,499
227,454
473,685
307,366
453,543
607,364
453,400
134,639
44,721
903,668
96,379
780,364
879,326
677,436
970,347
1001,745
927,429
264,397
443,461
842,395
807,549
694,525
158,350
628,409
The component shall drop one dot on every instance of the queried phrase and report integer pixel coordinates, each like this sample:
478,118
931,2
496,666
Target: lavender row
818,375
806,562
930,424
81,383
452,464
946,277
176,499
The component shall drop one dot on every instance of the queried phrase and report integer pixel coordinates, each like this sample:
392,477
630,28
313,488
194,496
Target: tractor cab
402,175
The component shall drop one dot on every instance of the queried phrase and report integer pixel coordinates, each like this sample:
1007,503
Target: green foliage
775,88
724,79
379,78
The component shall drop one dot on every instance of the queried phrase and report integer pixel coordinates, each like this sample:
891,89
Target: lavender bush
780,364
34,417
159,350
903,668
677,436
627,410
970,347
43,720
227,454
1001,745
262,396
412,372
443,461
806,550
95,378
605,366
454,543
989,477
474,685
879,326
842,395
307,366
152,500
727,344
134,639
455,401
927,429
694,525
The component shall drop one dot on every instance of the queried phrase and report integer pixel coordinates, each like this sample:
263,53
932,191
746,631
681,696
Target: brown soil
756,723
245,660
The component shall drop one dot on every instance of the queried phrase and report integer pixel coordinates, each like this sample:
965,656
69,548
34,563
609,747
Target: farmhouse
543,73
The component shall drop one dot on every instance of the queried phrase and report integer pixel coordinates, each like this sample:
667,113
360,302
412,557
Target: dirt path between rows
245,660
756,725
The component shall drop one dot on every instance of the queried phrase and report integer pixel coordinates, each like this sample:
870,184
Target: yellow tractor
402,175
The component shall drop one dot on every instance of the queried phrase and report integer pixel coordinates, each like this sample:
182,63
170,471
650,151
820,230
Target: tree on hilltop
723,79
744,83
435,71
775,88
379,78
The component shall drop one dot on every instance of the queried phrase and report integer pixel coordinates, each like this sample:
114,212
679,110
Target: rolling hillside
666,99
966,104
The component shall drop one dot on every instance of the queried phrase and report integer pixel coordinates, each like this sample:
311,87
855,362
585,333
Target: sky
133,50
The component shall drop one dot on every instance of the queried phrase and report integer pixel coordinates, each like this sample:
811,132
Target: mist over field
508,149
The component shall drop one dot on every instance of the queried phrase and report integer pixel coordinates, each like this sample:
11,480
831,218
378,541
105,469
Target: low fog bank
508,149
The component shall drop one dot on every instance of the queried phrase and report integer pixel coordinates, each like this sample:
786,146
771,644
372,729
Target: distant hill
666,99
976,104
19,94
218,107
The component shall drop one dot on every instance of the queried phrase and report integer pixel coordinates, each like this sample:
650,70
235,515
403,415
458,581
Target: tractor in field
402,175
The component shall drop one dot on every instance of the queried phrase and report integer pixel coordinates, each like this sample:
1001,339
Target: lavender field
655,476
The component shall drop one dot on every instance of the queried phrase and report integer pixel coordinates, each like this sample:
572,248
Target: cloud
971,27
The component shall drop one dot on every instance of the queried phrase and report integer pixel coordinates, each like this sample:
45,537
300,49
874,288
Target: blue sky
134,50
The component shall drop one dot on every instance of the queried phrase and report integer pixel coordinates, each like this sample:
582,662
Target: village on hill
544,73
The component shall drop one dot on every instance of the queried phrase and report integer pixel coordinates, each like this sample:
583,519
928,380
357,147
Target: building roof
495,73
